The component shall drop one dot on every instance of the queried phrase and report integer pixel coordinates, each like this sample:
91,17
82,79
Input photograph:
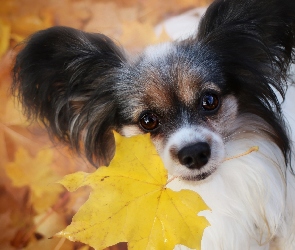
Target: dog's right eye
149,121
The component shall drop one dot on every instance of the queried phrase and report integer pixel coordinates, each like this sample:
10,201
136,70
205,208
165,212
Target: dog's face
179,102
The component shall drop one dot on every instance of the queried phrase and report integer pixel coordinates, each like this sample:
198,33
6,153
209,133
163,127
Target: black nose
195,156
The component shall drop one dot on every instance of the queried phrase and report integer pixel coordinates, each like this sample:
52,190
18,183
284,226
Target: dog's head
172,93
192,96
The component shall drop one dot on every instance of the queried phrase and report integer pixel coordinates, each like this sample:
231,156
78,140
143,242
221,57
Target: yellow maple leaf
37,174
131,203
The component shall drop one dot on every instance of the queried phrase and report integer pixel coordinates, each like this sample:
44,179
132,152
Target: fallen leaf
136,35
5,37
131,203
107,22
46,230
8,230
72,13
25,25
15,218
84,248
37,174
13,114
50,244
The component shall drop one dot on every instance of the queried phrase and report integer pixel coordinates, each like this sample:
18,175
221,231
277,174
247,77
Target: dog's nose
195,156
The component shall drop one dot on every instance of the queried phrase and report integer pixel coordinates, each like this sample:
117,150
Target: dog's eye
210,102
149,121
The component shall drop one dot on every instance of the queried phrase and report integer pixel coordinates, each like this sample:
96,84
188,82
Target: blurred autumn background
32,207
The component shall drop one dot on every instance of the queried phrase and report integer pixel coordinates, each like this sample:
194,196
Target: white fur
158,51
130,130
181,26
248,200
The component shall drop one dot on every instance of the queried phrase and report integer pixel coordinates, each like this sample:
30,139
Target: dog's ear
260,34
65,78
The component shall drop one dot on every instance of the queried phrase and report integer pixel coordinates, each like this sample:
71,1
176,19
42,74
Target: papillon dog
205,100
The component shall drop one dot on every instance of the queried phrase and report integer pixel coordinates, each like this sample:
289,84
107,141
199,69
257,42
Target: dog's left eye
210,102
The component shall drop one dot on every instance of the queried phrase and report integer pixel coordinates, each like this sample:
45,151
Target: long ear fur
253,41
64,77
256,32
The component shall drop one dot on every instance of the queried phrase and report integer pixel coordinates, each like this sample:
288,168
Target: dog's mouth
198,177
195,175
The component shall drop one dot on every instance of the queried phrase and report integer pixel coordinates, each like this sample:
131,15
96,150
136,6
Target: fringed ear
65,78
253,43
256,31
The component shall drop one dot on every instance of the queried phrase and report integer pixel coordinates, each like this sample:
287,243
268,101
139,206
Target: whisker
239,133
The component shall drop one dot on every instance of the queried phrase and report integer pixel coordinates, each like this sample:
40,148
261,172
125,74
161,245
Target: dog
205,100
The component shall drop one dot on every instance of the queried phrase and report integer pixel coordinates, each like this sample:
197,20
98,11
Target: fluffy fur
203,99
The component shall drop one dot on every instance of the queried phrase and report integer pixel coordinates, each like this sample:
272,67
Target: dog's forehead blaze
163,92
187,86
157,94
169,76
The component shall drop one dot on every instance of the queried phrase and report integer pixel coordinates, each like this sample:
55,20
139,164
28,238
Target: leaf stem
249,151
171,179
